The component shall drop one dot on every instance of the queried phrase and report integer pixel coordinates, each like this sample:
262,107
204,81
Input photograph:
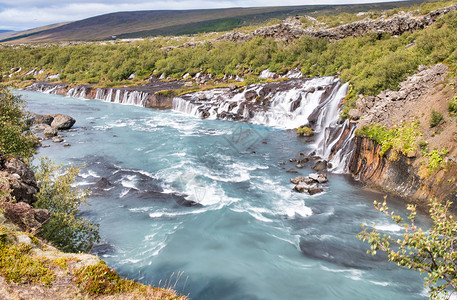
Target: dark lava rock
320,165
23,215
314,189
292,171
43,119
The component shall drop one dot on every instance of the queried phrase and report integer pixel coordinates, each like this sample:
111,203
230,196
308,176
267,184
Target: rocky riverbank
31,268
416,175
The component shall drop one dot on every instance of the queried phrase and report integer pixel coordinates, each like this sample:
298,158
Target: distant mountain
178,22
6,33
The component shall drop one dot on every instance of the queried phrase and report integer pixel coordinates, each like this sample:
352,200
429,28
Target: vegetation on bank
15,137
406,139
66,229
429,251
403,138
370,63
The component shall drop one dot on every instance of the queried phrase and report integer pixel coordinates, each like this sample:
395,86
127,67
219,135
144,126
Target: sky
27,14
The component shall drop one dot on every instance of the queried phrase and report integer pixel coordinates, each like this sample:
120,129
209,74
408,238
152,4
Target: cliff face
410,177
401,177
397,176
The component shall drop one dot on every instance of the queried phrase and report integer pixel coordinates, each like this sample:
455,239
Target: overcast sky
27,14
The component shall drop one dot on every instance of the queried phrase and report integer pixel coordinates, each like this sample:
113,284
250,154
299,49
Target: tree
15,137
431,251
66,230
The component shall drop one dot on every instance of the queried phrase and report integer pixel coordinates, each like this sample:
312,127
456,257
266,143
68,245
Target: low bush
66,229
435,118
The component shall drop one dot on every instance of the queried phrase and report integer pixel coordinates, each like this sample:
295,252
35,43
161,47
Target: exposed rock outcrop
292,28
380,109
25,216
21,179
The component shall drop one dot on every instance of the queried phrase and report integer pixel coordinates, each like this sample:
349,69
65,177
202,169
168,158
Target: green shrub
15,137
435,118
99,280
431,251
66,230
436,159
305,131
403,138
452,106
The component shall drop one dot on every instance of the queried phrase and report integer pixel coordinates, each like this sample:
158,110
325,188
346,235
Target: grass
18,266
99,279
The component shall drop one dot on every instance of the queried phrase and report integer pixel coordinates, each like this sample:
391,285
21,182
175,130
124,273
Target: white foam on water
352,273
380,283
129,181
254,212
89,173
389,227
288,203
123,193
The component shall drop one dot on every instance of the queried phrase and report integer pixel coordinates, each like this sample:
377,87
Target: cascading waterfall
116,95
310,102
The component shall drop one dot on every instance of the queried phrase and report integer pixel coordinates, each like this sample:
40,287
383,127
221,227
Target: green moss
305,131
452,106
166,93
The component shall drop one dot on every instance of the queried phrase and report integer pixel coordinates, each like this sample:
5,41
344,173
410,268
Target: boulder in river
43,119
62,122
49,131
57,139
320,165
314,189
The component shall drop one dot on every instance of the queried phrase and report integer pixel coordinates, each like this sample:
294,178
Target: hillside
178,22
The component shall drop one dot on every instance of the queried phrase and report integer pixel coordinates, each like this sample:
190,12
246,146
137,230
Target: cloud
27,14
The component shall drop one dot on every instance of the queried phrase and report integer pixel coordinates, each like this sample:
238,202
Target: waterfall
285,105
289,104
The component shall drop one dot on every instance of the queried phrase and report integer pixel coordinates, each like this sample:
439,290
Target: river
250,236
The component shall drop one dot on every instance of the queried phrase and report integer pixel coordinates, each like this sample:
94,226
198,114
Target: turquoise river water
249,236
